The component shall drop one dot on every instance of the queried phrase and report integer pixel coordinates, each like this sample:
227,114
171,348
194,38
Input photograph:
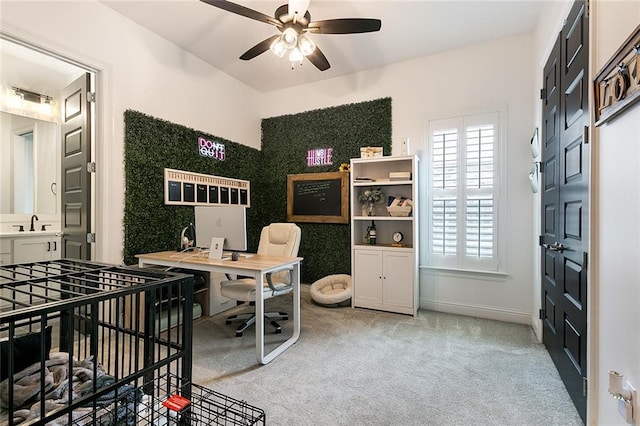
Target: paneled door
76,176
564,239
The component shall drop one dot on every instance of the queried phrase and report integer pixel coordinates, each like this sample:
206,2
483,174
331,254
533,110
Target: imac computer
229,223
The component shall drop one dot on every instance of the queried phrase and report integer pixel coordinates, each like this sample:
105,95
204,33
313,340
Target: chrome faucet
33,217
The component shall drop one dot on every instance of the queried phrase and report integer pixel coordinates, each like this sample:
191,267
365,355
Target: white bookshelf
385,274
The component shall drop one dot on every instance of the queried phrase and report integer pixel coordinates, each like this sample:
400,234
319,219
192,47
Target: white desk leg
262,359
296,302
259,318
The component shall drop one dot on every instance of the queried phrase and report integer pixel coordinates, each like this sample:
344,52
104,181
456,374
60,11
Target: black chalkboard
318,197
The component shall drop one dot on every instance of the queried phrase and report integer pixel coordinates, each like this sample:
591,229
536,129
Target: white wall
449,83
137,70
615,247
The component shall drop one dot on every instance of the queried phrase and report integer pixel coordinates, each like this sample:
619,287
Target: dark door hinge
541,167
585,386
585,135
540,242
541,314
585,260
543,94
586,9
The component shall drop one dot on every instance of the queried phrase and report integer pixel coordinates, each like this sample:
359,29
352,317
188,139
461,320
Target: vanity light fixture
18,98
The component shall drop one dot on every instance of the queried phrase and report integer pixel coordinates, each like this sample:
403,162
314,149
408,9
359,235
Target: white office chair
277,239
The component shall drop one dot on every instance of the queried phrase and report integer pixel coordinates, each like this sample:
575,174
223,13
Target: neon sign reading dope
211,149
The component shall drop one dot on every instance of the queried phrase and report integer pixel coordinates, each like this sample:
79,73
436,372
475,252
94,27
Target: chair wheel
278,330
238,333
228,322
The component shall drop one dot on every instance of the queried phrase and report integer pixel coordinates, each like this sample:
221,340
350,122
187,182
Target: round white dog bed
332,290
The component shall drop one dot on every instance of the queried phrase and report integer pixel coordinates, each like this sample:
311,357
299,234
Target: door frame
99,115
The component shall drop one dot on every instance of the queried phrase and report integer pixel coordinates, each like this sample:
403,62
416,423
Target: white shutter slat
464,172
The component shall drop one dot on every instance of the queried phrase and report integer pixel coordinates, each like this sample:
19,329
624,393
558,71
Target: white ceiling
410,29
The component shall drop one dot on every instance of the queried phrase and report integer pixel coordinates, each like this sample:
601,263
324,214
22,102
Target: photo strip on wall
185,188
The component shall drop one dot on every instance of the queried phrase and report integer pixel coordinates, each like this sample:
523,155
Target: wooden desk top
254,262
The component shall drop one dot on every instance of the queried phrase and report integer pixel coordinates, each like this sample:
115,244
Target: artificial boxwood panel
285,142
151,145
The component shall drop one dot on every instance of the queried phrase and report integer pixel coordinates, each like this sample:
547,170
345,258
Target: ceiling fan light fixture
295,55
306,45
278,48
289,38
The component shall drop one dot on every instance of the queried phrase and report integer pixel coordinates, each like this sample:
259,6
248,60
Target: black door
76,178
565,158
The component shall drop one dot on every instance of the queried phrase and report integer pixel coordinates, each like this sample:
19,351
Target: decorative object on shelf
395,176
370,197
372,233
371,152
344,168
397,238
399,207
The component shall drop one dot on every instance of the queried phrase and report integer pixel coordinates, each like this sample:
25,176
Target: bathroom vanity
24,247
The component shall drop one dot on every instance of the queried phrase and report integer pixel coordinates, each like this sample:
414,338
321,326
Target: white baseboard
478,311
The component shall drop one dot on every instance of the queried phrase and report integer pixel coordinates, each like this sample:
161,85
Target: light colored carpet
361,367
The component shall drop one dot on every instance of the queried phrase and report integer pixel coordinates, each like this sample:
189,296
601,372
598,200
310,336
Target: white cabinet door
6,251
368,278
398,279
55,252
36,249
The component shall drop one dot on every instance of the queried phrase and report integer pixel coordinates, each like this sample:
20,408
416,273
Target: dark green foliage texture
151,145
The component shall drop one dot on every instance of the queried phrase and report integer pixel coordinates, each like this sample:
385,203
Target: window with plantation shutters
463,190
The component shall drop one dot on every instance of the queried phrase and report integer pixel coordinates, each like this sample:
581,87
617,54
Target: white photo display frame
215,249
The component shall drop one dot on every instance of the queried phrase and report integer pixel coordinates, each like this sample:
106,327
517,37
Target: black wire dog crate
84,342
175,401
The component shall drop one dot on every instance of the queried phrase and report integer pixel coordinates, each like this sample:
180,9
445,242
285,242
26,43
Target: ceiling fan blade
259,48
345,26
243,11
318,59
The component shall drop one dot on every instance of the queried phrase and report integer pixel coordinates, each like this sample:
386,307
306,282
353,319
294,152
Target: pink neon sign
320,157
210,149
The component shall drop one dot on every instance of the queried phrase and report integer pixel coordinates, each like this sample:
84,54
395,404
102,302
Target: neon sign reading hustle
320,157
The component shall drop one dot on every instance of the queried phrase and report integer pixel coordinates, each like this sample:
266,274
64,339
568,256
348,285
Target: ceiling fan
294,23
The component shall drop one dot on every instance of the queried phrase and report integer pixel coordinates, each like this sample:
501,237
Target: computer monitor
221,221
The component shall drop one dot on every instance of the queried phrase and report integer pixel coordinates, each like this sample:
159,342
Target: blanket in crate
58,379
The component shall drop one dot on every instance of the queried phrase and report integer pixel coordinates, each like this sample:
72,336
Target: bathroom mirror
29,165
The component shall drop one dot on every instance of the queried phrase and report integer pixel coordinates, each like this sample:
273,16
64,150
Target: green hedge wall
285,142
151,145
